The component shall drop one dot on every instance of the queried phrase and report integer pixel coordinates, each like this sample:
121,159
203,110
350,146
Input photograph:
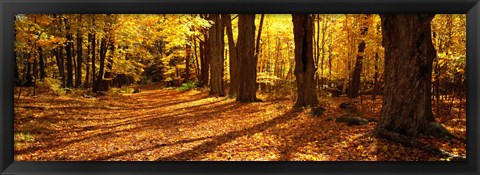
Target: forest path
163,124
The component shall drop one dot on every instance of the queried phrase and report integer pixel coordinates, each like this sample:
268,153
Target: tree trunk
375,78
103,52
304,66
89,56
78,72
197,65
409,54
233,61
68,48
215,55
246,56
355,86
60,64
94,42
257,43
330,62
108,77
204,60
41,61
187,62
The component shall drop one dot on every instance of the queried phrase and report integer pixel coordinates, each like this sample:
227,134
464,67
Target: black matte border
8,8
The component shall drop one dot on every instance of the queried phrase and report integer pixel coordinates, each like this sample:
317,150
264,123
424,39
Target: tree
233,55
355,86
215,55
246,56
41,62
78,72
304,66
94,41
68,48
103,52
409,54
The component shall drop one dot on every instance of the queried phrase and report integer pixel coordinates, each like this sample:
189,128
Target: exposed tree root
412,142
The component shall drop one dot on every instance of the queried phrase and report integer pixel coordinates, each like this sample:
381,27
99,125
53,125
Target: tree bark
60,64
257,43
304,66
187,62
197,65
94,42
103,52
246,56
409,54
78,72
41,62
375,78
215,55
89,56
357,71
68,48
233,61
108,77
204,61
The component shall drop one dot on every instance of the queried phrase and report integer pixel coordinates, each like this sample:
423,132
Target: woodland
249,87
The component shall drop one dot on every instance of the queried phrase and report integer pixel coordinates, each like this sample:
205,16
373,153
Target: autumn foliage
124,87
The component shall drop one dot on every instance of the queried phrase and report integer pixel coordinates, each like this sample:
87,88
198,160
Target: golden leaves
160,124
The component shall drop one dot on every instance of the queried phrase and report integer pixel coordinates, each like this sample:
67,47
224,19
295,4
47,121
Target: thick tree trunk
246,56
215,55
68,48
409,54
304,66
233,61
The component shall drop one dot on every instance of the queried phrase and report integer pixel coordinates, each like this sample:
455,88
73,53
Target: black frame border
9,8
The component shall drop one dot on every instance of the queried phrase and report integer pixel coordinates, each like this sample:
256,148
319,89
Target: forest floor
168,124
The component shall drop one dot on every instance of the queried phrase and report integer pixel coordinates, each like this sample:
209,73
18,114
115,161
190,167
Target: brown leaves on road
161,124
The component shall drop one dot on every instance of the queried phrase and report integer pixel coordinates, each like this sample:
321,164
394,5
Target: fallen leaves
161,124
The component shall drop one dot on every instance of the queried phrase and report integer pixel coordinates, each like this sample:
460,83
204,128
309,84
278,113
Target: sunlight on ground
190,125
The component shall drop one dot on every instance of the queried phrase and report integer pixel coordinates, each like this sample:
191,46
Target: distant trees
90,50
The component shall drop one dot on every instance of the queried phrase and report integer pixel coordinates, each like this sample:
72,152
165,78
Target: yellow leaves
360,148
160,124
